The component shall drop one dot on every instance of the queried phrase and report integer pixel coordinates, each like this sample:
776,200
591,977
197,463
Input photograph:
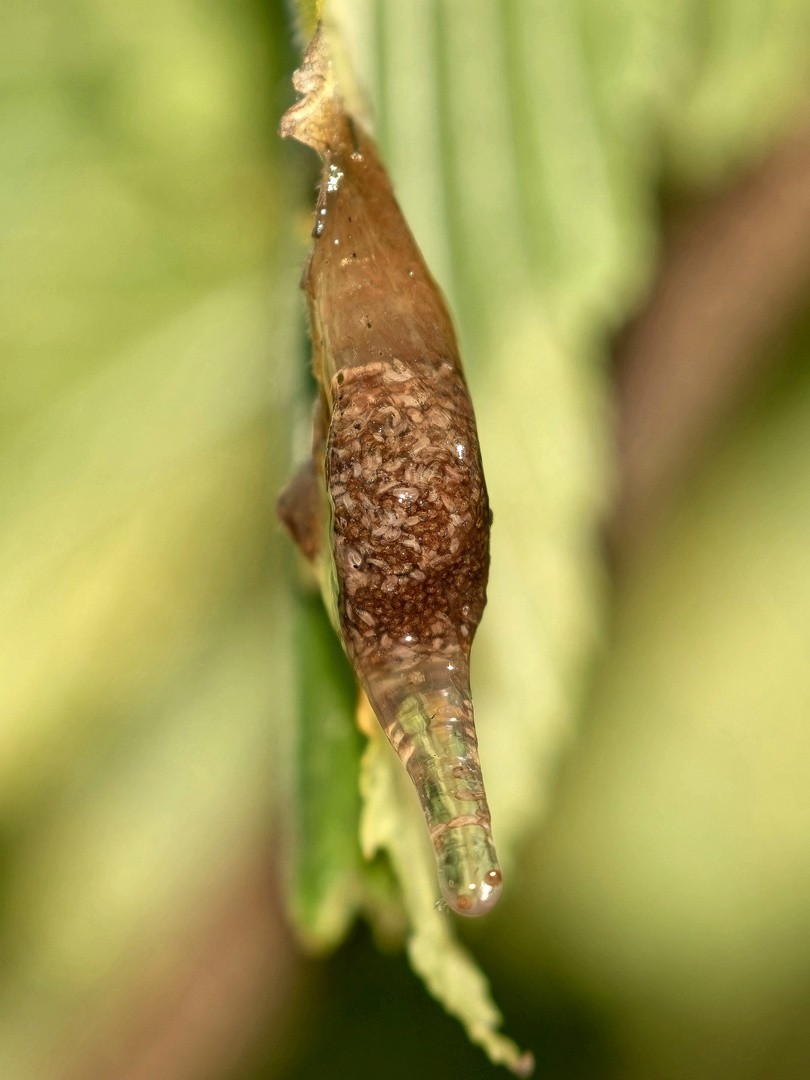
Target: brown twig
733,274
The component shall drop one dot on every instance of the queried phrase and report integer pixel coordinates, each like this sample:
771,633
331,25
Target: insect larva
406,588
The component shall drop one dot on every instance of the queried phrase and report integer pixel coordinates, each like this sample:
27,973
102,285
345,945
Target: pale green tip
469,875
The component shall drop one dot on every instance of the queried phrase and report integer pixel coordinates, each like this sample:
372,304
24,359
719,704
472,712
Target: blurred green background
616,199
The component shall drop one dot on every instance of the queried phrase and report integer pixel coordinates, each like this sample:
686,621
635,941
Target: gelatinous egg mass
393,505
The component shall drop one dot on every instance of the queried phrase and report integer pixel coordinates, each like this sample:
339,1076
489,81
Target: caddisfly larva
393,505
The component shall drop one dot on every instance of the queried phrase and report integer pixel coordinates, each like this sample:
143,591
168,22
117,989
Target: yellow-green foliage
151,351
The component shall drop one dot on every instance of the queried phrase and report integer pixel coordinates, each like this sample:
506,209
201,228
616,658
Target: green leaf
526,142
326,861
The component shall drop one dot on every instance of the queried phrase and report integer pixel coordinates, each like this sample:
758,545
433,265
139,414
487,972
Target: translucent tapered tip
469,875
